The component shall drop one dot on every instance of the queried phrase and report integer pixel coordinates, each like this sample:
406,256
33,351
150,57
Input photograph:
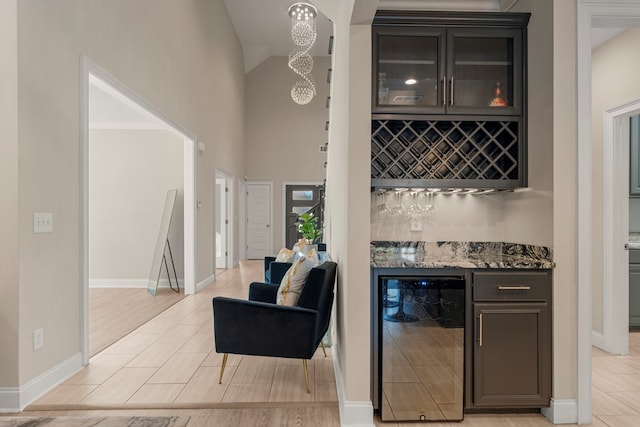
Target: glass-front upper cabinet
484,71
409,69
447,69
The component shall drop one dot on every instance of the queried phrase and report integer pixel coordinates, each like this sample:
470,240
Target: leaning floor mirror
161,243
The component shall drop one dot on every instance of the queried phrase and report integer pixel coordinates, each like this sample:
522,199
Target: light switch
43,222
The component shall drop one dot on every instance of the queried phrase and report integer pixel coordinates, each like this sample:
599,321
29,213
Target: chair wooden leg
306,374
224,363
323,350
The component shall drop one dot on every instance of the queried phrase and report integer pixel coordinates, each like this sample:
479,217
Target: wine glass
398,213
415,211
382,210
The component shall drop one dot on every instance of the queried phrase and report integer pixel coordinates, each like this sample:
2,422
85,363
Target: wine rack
442,153
449,100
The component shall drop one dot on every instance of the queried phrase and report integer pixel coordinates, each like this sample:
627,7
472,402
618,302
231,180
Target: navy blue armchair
274,270
260,327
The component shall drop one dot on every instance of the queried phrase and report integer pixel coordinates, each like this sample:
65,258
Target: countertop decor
453,254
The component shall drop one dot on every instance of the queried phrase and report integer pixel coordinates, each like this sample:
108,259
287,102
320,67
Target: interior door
258,220
300,199
222,223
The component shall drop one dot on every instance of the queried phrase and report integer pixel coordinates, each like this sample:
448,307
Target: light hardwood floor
168,367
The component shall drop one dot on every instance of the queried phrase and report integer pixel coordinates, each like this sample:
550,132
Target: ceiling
263,29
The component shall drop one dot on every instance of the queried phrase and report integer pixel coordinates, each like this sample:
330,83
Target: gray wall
9,307
283,138
529,215
181,57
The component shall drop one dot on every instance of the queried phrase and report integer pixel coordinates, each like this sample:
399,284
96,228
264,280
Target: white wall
614,82
283,138
456,218
130,172
181,57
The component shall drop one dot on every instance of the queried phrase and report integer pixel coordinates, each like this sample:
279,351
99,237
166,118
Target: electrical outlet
38,339
416,226
43,222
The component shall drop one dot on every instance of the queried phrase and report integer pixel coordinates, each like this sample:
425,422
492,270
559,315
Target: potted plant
308,227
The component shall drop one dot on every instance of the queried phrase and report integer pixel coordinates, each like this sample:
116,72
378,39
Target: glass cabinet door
408,69
484,66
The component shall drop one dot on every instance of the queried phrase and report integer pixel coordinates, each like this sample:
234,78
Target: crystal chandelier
303,34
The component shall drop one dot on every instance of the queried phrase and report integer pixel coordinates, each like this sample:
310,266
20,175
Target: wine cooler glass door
422,325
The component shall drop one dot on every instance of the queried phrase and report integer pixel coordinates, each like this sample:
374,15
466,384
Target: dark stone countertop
420,254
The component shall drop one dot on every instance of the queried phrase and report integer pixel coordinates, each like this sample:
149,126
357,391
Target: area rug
94,421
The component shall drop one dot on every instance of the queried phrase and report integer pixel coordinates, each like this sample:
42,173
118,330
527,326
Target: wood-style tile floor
168,367
114,312
170,362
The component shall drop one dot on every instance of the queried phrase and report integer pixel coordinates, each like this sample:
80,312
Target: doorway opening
616,219
129,154
590,14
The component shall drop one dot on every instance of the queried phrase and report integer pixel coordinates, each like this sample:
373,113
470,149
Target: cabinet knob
626,246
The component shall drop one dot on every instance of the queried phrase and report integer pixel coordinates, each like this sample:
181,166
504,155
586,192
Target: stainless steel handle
444,90
480,329
514,288
451,100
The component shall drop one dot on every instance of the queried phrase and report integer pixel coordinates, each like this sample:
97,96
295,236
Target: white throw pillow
285,255
295,278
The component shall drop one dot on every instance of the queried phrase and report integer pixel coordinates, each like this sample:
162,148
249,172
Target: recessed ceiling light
410,82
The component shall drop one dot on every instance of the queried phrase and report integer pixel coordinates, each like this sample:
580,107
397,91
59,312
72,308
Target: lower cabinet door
634,295
512,360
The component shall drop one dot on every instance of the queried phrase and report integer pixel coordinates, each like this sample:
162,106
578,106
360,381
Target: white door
258,220
221,223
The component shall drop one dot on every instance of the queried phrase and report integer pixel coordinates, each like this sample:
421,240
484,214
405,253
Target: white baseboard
598,340
206,282
14,399
351,413
118,283
9,400
130,283
562,411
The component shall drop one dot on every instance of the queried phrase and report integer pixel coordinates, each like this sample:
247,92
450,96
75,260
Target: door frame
615,336
87,69
242,219
246,223
620,13
284,203
230,226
